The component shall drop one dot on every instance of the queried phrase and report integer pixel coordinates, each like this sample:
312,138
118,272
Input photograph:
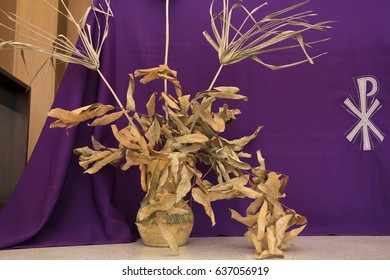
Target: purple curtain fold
339,184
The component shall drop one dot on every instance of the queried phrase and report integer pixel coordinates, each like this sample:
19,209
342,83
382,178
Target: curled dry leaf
262,220
184,185
191,138
240,143
271,186
203,199
154,132
130,105
249,220
107,119
72,118
98,159
166,203
161,72
151,105
185,104
166,233
97,145
170,101
229,185
213,120
227,114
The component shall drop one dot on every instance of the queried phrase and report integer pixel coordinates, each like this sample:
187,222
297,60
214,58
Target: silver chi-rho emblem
367,87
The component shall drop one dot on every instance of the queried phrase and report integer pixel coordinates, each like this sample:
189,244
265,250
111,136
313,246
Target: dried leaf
271,240
96,145
277,210
151,208
143,168
227,186
262,220
175,164
222,170
144,121
271,186
192,148
151,105
232,90
280,228
185,104
88,156
107,119
248,192
266,255
224,195
260,159
161,72
130,91
191,138
126,138
203,199
254,206
198,108
239,144
154,132
167,234
258,244
170,101
163,178
182,128
249,220
71,118
184,185
133,158
213,120
227,95
235,161
228,115
293,233
103,159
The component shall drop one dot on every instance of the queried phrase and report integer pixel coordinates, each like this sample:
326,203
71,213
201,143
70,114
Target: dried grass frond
235,44
60,47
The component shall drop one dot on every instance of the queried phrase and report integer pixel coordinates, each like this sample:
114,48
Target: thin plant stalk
215,77
166,40
114,95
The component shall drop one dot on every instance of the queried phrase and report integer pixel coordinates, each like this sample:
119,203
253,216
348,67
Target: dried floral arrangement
168,148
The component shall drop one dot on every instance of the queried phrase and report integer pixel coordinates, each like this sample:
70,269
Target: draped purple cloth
342,185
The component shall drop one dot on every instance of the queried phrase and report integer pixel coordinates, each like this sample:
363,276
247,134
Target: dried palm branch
87,53
255,37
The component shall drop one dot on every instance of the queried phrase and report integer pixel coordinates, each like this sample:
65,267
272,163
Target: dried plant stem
166,40
114,95
215,77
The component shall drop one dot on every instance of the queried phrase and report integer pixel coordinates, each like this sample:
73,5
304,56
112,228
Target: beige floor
218,248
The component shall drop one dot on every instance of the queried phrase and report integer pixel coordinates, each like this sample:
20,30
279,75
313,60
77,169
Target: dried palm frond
87,53
255,37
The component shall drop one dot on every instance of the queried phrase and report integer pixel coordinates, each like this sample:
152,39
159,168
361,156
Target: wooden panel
7,56
14,119
77,8
43,85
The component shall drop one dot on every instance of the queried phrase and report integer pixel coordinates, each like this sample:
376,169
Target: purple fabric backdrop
342,186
